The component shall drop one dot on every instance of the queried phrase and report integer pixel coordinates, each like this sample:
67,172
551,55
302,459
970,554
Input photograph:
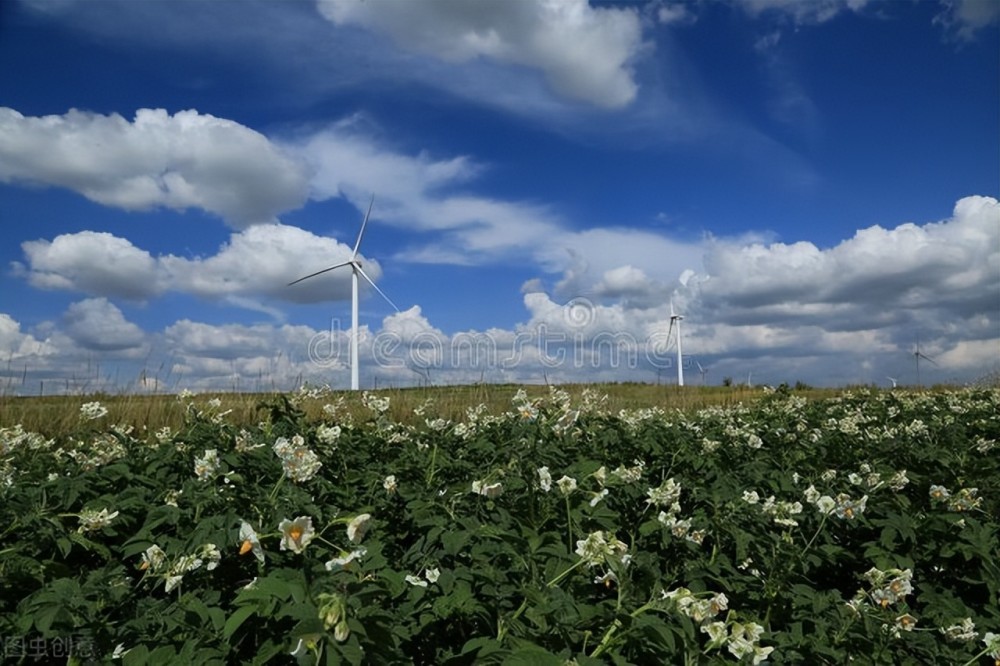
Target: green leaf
236,620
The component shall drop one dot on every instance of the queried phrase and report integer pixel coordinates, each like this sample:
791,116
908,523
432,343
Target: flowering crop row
862,528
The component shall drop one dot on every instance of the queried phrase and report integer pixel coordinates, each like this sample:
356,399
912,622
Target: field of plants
557,528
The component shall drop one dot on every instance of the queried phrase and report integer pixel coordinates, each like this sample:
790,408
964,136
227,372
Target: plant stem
569,528
818,530
613,629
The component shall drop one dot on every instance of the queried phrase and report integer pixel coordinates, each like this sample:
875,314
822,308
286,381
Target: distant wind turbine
703,371
356,270
893,380
676,318
917,355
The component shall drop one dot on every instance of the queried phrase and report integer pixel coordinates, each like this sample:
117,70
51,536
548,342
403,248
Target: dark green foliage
800,513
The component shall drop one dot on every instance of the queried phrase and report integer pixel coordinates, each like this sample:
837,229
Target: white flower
751,496
296,534
567,484
92,410
345,559
432,575
299,463
119,651
212,554
153,558
716,632
939,493
849,508
597,549
328,434
173,581
416,581
91,519
669,492
491,490
598,497
207,466
358,526
389,483
544,478
826,504
964,631
250,542
811,494
992,642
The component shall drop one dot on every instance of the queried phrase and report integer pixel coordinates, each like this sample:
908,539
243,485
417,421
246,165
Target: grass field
56,415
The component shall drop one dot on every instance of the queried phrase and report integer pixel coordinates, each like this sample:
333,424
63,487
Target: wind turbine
676,318
703,371
356,270
917,355
893,380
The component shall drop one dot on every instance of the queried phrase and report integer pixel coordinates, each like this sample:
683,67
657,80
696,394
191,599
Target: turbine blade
325,270
357,244
365,276
670,330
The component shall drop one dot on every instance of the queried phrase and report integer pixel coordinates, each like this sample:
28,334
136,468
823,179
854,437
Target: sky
811,184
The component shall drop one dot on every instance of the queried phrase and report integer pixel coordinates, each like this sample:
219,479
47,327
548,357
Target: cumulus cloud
181,161
97,324
93,262
16,345
779,312
584,52
949,266
256,263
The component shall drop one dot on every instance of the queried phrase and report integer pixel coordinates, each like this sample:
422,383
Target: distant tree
727,381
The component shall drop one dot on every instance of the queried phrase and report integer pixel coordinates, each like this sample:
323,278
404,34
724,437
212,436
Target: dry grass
59,415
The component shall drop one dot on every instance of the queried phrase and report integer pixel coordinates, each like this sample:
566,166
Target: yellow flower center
246,547
295,532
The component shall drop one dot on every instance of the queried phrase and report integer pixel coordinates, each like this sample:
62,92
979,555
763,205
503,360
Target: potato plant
862,527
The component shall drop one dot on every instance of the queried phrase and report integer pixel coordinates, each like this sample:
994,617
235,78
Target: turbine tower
356,270
676,319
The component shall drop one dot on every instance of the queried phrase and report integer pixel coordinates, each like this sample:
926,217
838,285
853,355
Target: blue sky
812,184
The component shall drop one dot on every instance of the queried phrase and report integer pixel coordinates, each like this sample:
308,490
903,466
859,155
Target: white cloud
803,11
783,312
949,266
99,325
675,13
16,345
93,262
962,19
262,260
419,192
181,161
256,263
584,52
624,281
